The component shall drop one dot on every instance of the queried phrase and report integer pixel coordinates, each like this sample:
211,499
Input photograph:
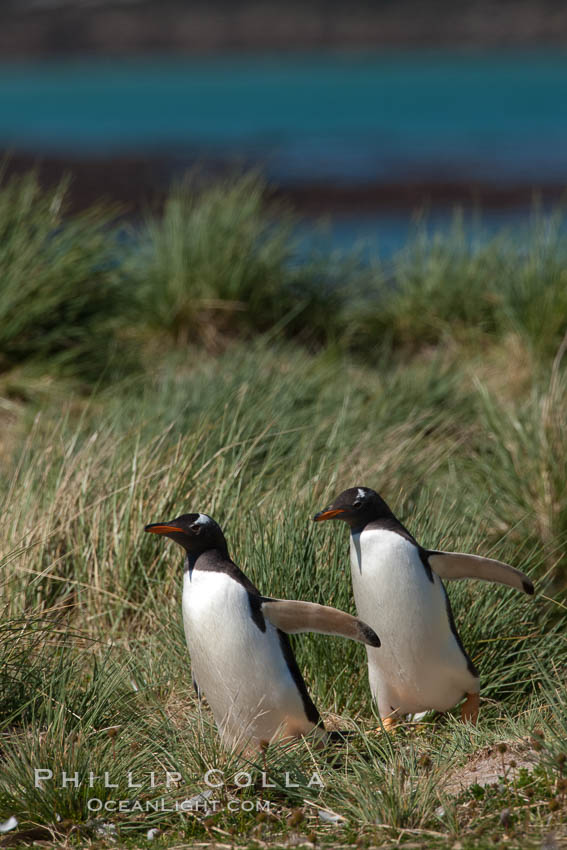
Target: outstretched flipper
455,565
292,617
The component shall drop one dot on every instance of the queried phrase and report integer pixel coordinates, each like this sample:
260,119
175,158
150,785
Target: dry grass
465,439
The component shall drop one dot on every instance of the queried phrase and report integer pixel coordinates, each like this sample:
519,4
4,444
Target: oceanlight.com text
205,806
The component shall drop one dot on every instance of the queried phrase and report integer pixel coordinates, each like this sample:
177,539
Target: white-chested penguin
241,657
422,664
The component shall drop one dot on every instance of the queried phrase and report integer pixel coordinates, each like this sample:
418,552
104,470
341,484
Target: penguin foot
469,710
388,724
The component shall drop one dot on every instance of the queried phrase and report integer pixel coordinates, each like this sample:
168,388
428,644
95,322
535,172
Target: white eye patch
360,493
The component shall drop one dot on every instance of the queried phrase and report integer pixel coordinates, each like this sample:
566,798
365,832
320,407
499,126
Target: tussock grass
59,301
454,412
94,669
451,287
222,263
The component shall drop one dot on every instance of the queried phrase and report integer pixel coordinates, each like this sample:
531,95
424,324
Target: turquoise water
382,235
343,117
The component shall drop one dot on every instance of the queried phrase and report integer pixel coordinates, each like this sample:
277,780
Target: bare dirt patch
487,765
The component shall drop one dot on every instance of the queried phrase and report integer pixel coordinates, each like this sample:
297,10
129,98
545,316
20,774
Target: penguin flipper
292,617
455,565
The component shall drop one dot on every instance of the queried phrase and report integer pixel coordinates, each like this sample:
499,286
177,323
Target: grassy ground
438,380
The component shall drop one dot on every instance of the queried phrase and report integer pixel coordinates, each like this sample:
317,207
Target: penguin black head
195,532
357,506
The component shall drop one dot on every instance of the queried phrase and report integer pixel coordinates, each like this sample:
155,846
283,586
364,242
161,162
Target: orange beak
330,513
159,528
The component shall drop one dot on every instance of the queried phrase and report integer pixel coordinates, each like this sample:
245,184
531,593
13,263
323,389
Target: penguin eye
357,503
196,529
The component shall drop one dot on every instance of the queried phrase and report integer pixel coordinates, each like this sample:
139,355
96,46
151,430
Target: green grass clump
220,262
451,287
59,301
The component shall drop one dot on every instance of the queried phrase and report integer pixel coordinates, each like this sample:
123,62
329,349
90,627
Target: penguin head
195,532
357,506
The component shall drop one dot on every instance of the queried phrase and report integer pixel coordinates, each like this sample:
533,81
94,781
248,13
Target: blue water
383,234
347,118
340,117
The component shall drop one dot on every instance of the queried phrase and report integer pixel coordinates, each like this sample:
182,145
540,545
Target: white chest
388,576
210,600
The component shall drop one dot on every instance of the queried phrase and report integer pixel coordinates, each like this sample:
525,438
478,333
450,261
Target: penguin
241,656
398,589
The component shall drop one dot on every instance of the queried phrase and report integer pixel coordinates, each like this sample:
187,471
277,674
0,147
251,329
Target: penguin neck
206,557
383,522
218,561
361,525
